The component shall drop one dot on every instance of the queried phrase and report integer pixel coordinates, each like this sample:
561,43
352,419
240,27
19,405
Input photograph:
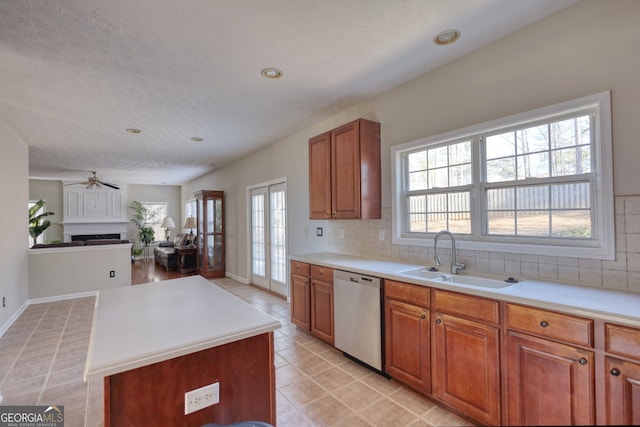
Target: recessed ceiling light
271,73
446,37
196,138
133,130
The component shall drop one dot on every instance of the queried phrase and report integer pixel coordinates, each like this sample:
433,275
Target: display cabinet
210,235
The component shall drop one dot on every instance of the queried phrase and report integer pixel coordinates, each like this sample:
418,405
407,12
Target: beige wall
62,271
585,49
13,250
50,192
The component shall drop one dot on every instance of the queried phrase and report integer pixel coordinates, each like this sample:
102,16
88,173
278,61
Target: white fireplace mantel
94,211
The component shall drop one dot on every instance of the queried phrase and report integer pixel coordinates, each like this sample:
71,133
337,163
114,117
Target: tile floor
42,359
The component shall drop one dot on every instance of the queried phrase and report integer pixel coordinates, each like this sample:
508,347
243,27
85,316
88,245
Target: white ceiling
74,74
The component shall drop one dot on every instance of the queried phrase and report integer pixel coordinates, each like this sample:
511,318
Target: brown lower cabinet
300,295
548,383
407,344
622,392
466,366
312,300
322,310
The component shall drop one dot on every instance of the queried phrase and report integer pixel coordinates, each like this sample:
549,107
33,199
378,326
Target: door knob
615,372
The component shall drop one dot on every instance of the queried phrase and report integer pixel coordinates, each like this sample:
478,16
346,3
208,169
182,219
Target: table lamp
167,223
191,224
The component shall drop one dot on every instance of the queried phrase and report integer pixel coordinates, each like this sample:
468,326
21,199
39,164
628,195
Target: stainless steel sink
456,279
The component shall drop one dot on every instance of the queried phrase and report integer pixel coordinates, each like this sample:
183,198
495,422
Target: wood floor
148,271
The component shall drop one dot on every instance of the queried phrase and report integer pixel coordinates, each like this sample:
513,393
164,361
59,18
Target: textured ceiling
74,74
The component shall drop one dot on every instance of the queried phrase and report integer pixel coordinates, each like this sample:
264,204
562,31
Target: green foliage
141,218
38,222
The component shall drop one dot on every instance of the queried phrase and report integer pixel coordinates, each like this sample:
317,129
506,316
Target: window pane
459,202
571,224
460,153
417,180
417,161
436,222
460,175
533,223
437,203
533,166
533,139
417,223
571,161
533,197
571,196
437,157
501,199
460,223
570,132
438,178
502,145
501,223
501,170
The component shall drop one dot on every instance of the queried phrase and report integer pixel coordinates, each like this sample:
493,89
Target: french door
269,237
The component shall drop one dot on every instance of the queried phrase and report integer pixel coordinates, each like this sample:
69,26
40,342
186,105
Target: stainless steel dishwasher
357,317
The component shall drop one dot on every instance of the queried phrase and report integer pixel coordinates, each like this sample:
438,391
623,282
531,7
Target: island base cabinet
153,395
466,367
407,344
622,392
548,383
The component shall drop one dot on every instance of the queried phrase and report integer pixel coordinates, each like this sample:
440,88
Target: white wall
14,180
582,50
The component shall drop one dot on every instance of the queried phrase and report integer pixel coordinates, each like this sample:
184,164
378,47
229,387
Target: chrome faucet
455,266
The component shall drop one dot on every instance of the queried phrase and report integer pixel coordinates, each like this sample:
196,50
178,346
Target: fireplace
84,237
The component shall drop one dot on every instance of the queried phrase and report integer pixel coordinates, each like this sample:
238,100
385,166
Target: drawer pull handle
438,321
582,361
544,323
423,317
615,372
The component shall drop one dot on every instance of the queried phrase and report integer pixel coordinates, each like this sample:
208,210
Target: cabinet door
345,171
622,392
548,383
300,302
407,356
322,311
320,176
466,367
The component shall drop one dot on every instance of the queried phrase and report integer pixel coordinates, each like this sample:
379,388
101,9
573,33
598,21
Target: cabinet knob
438,321
582,361
544,323
423,317
615,372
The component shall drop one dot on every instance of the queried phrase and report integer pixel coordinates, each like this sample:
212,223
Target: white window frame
602,246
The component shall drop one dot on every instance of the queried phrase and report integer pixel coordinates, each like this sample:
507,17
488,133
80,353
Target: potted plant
142,217
38,222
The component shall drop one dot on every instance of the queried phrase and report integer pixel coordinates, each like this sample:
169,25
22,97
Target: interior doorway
269,237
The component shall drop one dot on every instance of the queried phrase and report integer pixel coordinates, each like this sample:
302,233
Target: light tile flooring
42,358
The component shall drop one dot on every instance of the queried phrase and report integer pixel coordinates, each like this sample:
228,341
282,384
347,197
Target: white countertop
611,305
139,325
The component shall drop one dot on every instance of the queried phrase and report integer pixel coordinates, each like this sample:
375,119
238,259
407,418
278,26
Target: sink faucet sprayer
455,266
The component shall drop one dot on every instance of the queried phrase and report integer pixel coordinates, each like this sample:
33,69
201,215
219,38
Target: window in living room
41,237
157,212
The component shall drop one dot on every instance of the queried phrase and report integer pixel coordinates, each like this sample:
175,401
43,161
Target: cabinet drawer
301,268
467,306
414,294
622,340
323,274
563,327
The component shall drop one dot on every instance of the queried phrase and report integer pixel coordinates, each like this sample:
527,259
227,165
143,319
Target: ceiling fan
94,181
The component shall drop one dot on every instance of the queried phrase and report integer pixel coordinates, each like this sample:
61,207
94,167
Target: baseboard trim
237,278
62,297
13,318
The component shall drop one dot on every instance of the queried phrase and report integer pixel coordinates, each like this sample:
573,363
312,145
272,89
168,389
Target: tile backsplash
361,237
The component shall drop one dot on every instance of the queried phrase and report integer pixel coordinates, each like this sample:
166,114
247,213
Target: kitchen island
152,343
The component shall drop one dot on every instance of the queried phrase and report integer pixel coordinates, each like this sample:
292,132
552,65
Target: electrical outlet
341,233
381,234
112,273
202,397
319,231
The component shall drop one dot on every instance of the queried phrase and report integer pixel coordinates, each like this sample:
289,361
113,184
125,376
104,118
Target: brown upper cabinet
344,172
